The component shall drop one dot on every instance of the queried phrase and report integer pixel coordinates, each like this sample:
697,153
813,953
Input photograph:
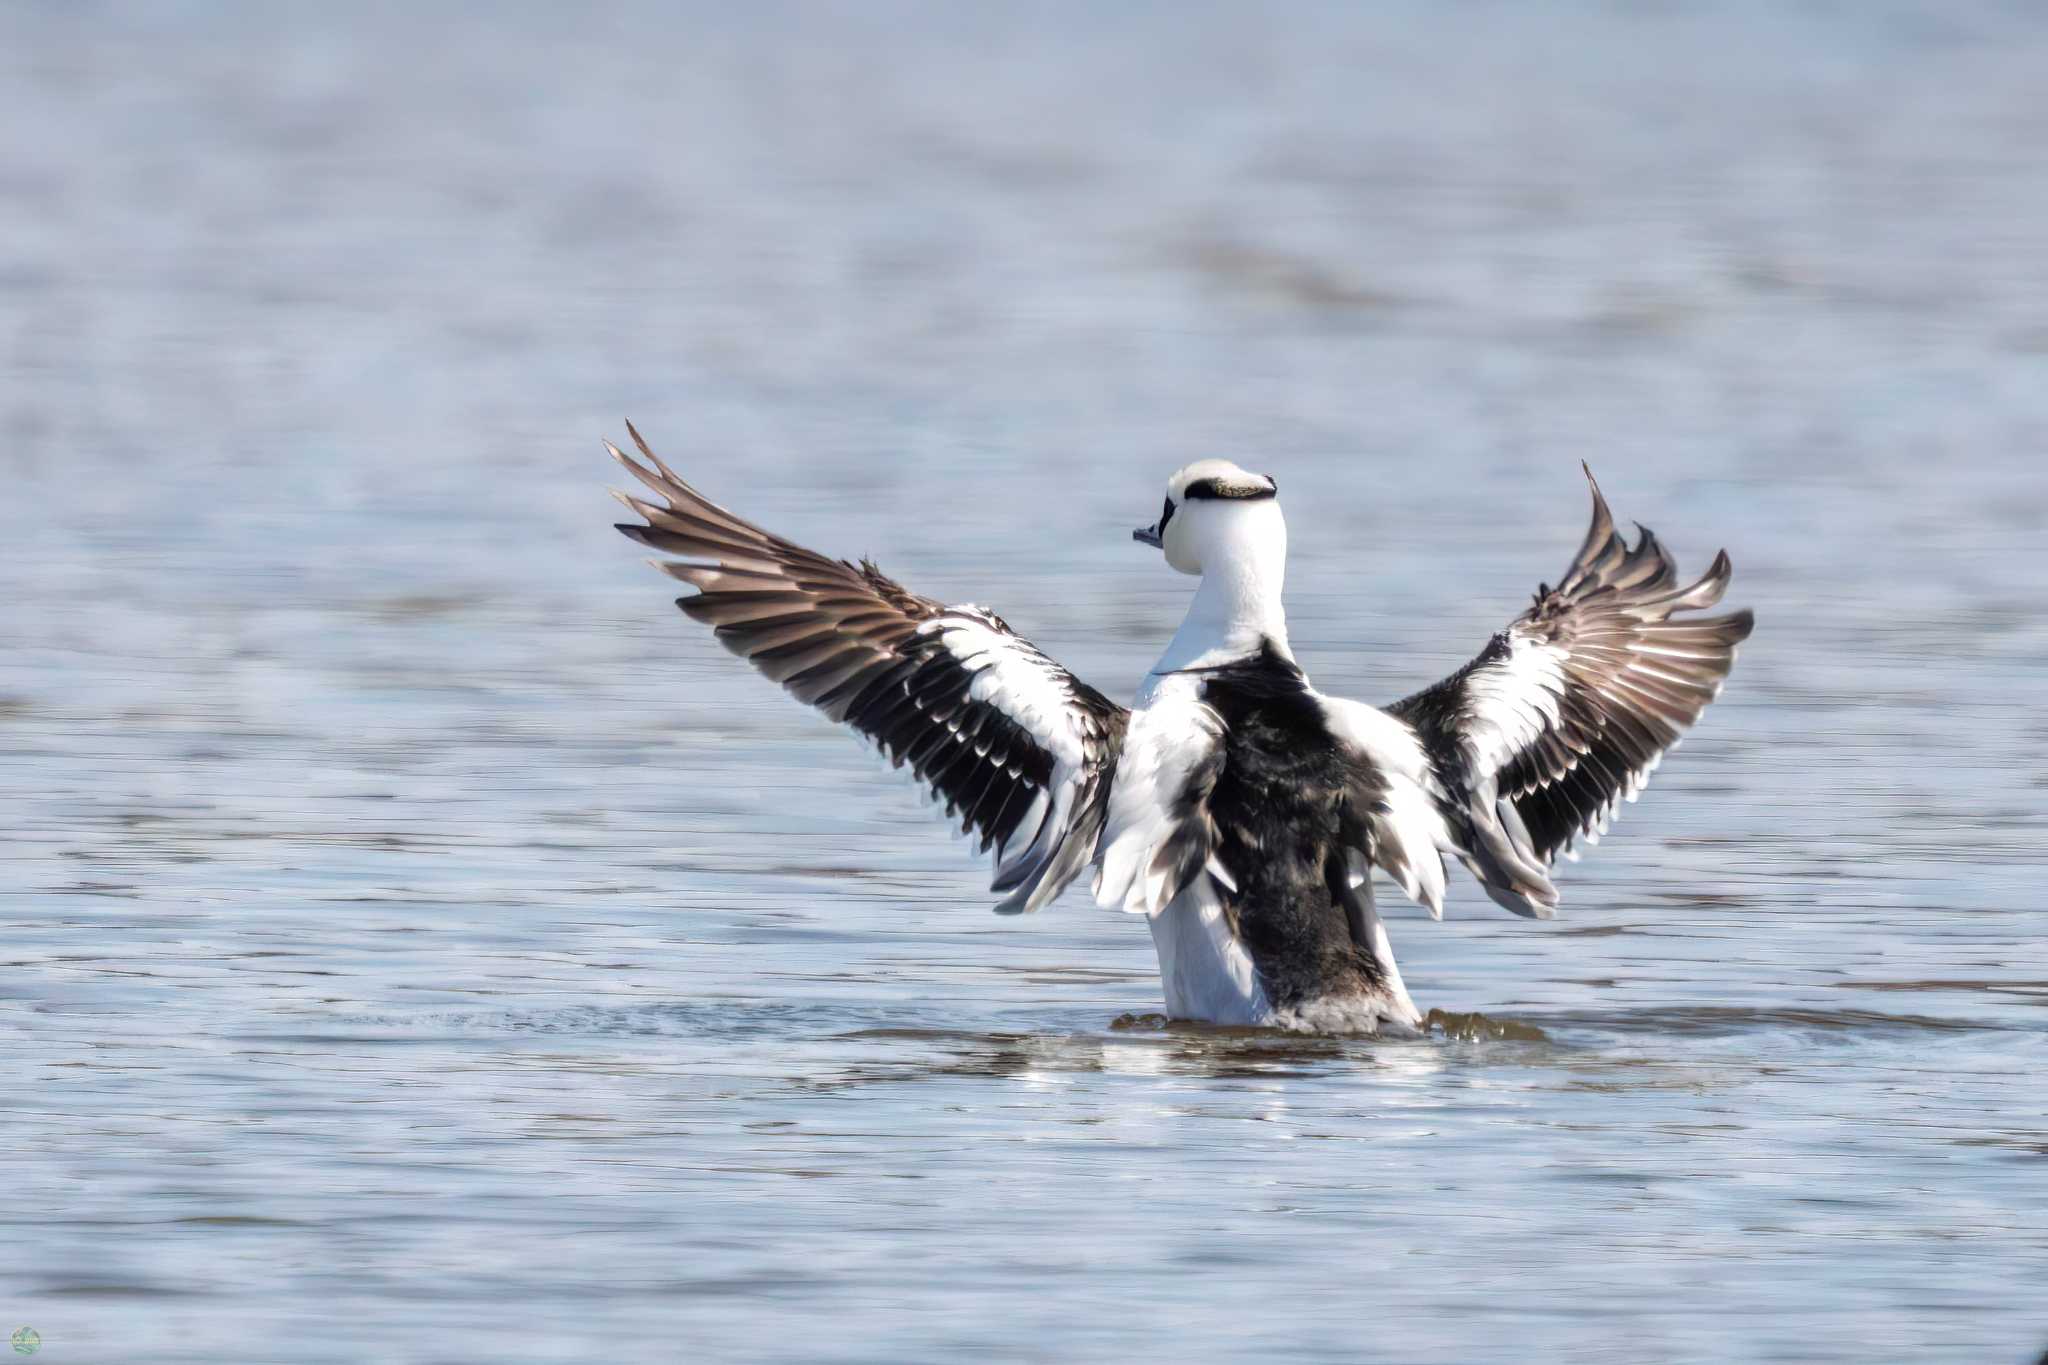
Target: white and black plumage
1237,808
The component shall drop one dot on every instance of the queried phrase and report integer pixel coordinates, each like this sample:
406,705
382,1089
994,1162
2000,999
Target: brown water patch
1475,1028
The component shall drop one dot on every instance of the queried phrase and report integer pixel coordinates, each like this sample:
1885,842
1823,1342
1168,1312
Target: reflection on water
420,944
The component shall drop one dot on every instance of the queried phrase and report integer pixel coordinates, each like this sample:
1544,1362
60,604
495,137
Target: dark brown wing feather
1018,749
1635,678
1570,708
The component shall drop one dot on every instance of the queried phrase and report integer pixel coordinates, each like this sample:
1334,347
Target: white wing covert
1403,832
1159,834
1018,749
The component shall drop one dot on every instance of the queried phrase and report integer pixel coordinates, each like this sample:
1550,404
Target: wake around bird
1237,808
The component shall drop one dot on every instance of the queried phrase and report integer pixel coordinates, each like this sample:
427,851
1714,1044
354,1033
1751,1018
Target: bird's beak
1147,535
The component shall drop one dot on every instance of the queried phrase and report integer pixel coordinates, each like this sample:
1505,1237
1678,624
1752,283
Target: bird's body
1281,929
1237,808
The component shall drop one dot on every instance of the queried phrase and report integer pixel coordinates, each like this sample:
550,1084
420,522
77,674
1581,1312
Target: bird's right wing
1019,750
1567,711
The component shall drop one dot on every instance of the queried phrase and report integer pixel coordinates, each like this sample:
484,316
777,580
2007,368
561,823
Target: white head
1218,516
1223,523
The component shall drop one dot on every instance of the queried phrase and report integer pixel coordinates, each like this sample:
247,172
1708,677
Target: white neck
1238,603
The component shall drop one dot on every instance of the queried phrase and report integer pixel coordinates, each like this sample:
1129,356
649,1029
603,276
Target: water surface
421,944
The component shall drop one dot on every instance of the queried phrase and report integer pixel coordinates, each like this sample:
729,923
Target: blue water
422,944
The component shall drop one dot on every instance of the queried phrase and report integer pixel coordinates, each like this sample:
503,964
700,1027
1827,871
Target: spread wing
1567,711
1019,750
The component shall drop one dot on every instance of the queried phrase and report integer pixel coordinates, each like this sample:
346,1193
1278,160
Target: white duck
1237,808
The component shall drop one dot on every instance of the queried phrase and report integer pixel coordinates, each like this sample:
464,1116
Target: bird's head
1216,511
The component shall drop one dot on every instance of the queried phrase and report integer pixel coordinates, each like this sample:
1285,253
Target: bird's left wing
1019,750
1566,712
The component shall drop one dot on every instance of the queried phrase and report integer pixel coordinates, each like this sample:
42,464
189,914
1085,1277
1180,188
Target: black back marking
1285,804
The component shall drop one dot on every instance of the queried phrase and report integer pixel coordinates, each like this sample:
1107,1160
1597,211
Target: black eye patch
1166,516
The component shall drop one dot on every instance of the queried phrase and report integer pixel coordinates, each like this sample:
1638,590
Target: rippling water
420,943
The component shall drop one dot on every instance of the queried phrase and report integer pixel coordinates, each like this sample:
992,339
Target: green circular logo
27,1340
